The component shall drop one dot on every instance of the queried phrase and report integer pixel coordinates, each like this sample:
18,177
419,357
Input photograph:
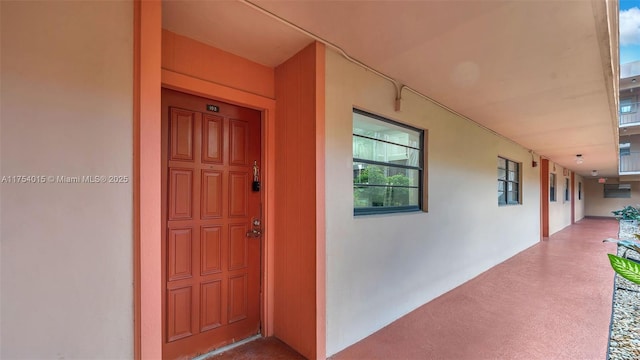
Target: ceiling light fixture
579,159
594,172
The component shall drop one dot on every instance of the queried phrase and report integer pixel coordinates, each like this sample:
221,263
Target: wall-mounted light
579,159
594,172
534,163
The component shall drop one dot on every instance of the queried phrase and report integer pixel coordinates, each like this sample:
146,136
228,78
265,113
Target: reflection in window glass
387,165
626,105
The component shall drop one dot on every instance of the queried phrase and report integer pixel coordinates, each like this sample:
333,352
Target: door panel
211,250
179,252
181,194
212,139
179,319
239,142
211,277
237,298
211,314
238,247
238,193
182,134
211,194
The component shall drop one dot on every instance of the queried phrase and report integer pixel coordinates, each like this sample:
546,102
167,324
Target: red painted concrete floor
265,348
551,301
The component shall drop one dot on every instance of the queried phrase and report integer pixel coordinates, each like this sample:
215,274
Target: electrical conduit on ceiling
397,85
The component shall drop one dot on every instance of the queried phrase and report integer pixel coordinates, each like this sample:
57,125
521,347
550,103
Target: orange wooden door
211,280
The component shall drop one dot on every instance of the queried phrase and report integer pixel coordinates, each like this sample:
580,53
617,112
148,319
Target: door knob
254,233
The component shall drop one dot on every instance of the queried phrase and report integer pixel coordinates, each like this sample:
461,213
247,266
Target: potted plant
626,267
628,221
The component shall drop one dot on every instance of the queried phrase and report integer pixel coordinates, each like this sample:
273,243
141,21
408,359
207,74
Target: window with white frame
508,182
388,161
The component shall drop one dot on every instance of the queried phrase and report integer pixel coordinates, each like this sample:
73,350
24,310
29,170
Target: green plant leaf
628,269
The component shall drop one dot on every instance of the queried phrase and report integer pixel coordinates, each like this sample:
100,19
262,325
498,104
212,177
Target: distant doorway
544,198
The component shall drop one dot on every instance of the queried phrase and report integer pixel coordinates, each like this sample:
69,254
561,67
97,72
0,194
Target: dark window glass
579,191
508,182
617,191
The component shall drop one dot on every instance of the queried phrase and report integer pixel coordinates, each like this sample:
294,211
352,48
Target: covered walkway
551,301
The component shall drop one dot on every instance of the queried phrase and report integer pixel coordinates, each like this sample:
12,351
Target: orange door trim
573,197
148,80
189,85
149,77
146,180
211,278
544,198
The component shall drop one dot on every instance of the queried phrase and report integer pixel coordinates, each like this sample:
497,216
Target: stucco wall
597,205
381,267
295,300
190,57
66,110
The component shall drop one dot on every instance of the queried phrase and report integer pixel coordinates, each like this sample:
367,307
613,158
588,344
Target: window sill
385,211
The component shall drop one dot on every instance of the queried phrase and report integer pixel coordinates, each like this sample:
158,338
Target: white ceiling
537,72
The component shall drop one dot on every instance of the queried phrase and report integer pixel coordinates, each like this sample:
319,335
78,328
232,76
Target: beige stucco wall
597,205
66,110
383,266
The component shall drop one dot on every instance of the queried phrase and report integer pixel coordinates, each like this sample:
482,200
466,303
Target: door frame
544,198
193,86
149,78
572,186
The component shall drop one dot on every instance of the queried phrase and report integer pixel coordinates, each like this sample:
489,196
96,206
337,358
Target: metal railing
630,162
629,113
